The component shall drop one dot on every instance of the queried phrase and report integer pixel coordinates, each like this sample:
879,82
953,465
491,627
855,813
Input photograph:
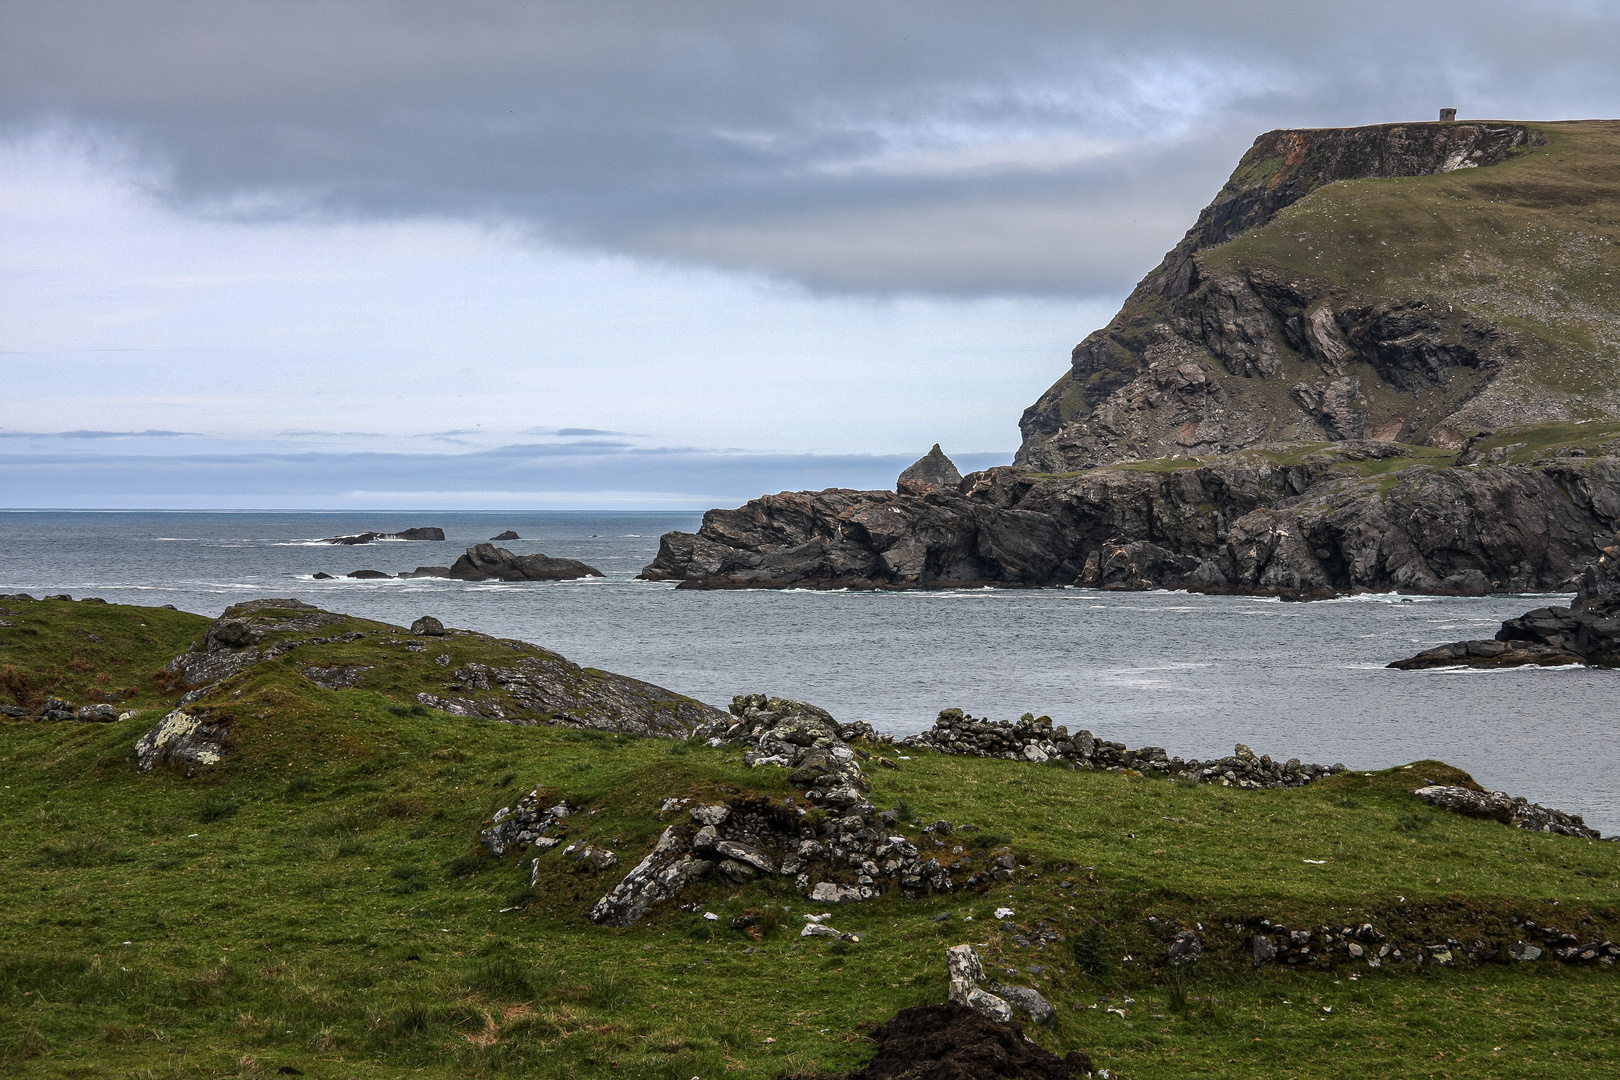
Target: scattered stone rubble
1326,946
967,972
1513,810
1034,739
835,844
55,709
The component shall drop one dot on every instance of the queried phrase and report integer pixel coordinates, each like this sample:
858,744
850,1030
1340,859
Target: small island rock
507,535
483,562
427,532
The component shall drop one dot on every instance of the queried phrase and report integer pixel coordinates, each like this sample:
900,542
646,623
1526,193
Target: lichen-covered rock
666,870
427,626
182,741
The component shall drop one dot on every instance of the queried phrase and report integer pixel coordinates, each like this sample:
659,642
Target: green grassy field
318,902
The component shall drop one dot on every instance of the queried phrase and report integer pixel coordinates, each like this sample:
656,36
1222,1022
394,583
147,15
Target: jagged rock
930,472
1027,1001
181,740
1251,317
1263,949
423,533
1508,809
1524,951
1312,527
665,871
427,626
966,973
484,562
1586,632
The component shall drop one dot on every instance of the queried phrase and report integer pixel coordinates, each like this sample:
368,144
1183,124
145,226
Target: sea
1193,674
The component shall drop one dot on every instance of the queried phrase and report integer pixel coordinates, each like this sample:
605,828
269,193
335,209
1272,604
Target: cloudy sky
666,253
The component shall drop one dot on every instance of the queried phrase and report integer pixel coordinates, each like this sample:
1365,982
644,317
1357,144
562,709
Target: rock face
1338,518
1194,358
1586,632
931,471
486,562
428,532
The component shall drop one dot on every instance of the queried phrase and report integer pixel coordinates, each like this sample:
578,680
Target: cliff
1412,282
1518,511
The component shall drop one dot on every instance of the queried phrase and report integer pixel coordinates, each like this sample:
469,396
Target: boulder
485,562
182,741
1185,948
427,626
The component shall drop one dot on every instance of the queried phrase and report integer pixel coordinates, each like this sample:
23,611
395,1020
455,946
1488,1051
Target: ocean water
1194,674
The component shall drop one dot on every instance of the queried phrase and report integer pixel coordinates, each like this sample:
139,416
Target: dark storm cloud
963,148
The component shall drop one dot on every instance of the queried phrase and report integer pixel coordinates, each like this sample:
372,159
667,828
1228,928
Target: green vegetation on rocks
318,901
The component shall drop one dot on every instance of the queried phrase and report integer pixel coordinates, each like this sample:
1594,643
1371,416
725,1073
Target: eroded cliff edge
1289,519
1413,282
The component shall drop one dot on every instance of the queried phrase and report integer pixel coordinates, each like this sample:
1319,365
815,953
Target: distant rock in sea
321,575
484,562
933,469
507,535
428,532
367,575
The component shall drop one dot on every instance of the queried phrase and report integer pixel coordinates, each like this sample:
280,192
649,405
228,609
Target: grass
341,920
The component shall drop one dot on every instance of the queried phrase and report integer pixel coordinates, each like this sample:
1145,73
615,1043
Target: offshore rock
932,470
425,533
485,562
1275,521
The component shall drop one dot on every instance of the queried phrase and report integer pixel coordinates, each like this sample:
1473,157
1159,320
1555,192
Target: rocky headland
1295,520
1365,367
1586,632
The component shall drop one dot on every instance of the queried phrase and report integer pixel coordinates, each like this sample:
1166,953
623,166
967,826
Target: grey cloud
935,146
150,433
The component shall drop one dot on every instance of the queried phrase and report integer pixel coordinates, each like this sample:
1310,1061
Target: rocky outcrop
535,686
1512,810
183,742
931,471
1586,632
1186,362
507,535
1340,518
849,852
486,562
428,532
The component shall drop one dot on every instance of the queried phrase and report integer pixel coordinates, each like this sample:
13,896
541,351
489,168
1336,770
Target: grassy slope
1533,243
318,902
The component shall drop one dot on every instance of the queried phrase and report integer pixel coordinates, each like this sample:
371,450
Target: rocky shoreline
1587,632
1333,520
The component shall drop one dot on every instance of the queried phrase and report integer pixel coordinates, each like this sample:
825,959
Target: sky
661,254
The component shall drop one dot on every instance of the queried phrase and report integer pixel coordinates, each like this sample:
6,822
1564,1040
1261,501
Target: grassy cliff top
318,902
1532,244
